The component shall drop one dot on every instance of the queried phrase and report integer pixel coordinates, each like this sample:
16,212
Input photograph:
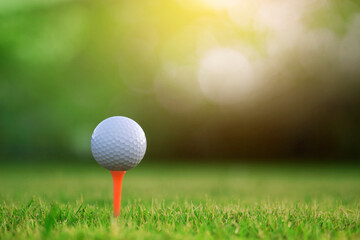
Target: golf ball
118,143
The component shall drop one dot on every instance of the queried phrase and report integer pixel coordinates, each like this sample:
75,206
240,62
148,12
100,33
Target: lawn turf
180,201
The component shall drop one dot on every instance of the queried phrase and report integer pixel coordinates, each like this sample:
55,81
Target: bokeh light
226,76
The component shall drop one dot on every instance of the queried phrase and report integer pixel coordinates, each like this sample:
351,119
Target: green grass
167,201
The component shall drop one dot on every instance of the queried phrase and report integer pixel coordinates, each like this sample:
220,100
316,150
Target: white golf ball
118,143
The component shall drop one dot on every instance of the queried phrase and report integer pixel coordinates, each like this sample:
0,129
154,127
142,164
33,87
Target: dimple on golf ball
118,143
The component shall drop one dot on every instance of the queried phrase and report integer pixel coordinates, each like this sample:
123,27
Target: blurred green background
205,79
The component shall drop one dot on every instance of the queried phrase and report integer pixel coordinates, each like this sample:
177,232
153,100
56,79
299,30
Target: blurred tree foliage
67,65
